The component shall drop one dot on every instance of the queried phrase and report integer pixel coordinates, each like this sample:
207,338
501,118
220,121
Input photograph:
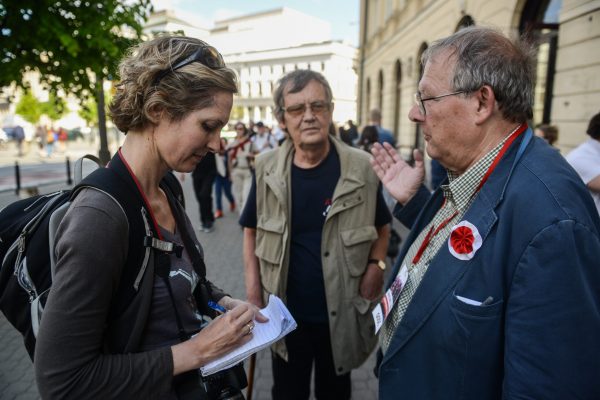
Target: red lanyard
430,236
139,186
433,232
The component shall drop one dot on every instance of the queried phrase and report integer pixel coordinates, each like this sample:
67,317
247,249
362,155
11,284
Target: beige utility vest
348,234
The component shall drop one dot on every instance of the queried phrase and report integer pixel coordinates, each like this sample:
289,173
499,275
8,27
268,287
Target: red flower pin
464,240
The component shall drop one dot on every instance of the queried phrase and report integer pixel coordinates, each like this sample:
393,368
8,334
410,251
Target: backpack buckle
163,246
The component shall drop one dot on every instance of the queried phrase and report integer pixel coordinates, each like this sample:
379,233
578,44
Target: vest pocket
357,244
364,323
269,248
269,244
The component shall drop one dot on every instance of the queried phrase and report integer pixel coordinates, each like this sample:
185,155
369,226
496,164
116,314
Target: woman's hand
230,304
223,334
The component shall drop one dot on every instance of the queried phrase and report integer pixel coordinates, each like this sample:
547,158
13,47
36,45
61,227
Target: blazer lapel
445,270
441,277
431,207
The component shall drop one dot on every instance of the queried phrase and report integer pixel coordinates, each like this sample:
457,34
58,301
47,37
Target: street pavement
223,248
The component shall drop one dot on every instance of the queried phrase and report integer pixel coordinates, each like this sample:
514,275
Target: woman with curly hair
174,96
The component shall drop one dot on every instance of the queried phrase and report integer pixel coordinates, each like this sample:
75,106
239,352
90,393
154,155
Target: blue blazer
539,260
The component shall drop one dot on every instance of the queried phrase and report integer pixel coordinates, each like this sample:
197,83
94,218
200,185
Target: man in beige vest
316,235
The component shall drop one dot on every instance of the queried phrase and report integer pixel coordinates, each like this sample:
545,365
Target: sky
342,14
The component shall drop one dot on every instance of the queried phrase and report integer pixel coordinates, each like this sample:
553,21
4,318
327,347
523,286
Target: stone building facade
394,33
261,47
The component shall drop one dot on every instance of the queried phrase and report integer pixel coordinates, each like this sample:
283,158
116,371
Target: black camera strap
188,242
163,264
192,250
162,269
188,385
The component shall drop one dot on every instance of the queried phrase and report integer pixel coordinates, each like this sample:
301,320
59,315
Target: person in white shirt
585,159
263,140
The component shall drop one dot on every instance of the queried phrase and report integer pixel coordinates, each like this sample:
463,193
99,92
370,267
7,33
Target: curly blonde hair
145,90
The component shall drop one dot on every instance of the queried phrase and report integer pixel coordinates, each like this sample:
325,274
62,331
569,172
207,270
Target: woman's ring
250,326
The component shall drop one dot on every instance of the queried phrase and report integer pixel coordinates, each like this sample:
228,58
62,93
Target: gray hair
485,56
294,82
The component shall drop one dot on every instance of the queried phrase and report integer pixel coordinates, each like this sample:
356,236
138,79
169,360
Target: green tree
89,112
55,107
74,44
29,107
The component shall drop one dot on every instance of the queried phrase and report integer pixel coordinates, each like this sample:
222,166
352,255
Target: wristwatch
380,263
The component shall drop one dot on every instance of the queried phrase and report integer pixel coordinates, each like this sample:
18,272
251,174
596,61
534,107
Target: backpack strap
117,183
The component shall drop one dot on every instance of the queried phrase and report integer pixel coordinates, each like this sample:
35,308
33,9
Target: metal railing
19,185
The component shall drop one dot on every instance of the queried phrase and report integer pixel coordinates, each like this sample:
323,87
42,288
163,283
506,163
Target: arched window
368,90
419,142
380,90
539,23
397,97
464,22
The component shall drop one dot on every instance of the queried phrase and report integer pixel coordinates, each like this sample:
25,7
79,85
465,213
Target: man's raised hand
400,179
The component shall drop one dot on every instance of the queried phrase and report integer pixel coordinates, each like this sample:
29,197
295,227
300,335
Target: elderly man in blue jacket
495,294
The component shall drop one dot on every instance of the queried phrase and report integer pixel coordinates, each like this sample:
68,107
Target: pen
219,309
487,301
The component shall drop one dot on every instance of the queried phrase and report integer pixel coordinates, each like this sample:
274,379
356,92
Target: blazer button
326,254
333,313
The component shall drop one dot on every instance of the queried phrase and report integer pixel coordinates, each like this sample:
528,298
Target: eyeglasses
206,55
316,107
420,102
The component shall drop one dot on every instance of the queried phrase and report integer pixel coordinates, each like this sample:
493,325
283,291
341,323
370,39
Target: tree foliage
54,108
89,112
31,109
72,43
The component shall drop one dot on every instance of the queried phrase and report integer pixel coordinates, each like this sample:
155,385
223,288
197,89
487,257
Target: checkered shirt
459,194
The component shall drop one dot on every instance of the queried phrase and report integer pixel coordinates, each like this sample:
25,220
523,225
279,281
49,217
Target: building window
368,96
465,22
397,97
540,25
380,90
389,8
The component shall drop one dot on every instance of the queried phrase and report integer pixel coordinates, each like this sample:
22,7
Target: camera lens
229,393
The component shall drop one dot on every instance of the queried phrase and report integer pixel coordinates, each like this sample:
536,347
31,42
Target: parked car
75,134
9,132
12,120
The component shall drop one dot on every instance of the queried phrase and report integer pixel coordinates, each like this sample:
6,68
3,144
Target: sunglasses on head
206,55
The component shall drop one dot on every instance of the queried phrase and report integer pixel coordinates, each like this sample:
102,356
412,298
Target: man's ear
282,123
486,103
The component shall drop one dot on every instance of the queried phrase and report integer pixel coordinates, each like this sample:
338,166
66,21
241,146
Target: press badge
382,310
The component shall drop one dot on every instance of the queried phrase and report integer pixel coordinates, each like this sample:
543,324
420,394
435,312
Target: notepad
280,324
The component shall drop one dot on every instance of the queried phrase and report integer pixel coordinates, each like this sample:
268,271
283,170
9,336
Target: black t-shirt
312,192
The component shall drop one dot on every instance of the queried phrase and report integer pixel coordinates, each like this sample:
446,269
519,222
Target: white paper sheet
280,324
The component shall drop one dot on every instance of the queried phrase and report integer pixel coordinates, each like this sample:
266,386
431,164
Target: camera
226,384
